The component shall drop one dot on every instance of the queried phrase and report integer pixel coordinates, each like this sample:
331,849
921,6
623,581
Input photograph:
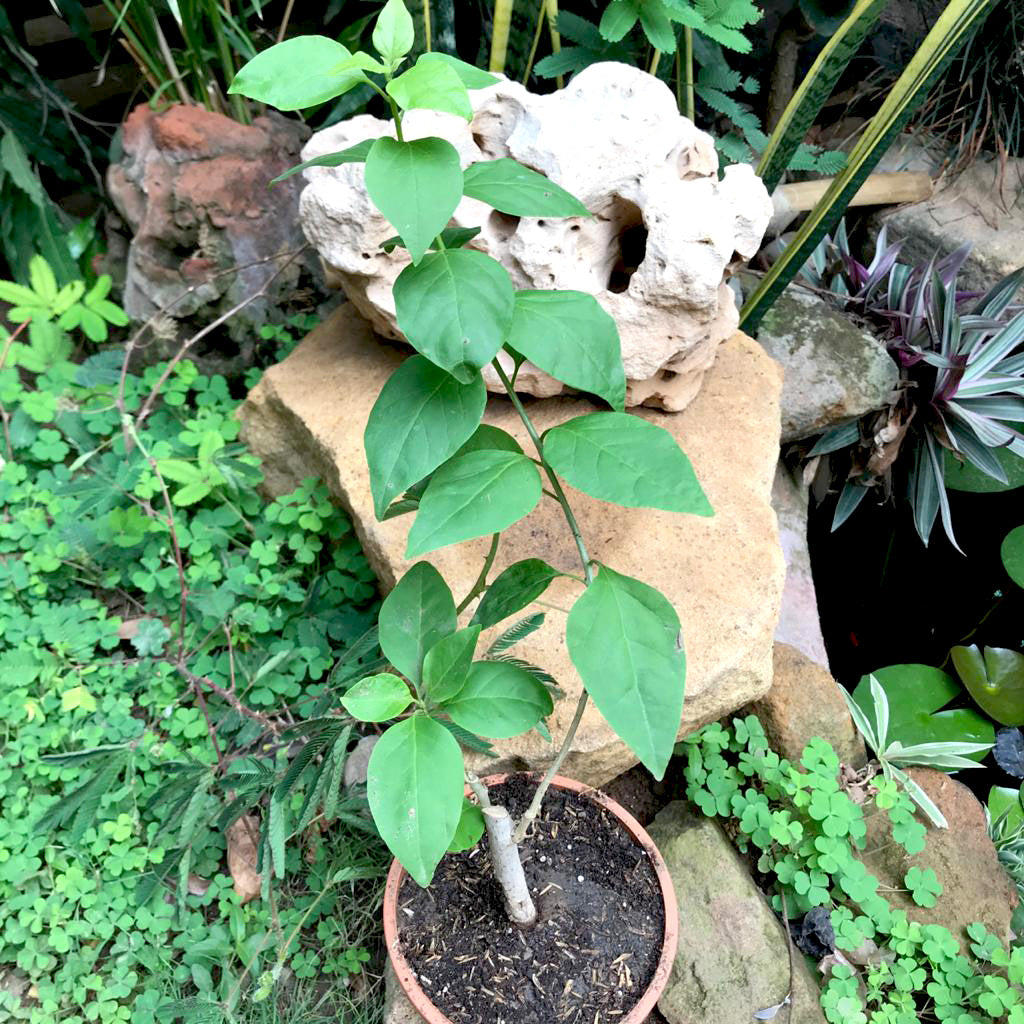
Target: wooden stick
886,188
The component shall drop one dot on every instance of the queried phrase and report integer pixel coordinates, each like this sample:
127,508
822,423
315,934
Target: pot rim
422,1003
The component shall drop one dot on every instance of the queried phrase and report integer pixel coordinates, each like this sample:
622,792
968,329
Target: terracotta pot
432,1015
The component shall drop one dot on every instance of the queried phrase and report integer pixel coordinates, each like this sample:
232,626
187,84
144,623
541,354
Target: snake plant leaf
815,89
995,679
950,31
917,693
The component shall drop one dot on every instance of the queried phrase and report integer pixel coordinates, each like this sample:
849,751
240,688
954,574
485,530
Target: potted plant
571,909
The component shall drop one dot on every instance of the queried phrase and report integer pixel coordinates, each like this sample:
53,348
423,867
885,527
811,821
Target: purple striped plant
961,359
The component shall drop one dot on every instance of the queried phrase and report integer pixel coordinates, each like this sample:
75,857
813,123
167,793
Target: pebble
579,878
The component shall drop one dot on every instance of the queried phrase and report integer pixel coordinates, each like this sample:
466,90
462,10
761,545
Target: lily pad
1006,800
916,694
994,679
1012,552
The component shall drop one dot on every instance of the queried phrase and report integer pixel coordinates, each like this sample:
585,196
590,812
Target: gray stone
799,626
834,372
806,702
983,205
974,885
732,958
397,1008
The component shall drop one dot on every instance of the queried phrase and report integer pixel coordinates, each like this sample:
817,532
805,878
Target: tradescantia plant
428,453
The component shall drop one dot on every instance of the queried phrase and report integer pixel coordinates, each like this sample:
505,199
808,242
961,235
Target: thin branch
147,406
481,581
227,696
133,341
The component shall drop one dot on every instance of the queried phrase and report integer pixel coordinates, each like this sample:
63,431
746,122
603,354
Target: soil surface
596,944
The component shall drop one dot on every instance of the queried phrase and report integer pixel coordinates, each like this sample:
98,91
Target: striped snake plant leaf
814,90
940,45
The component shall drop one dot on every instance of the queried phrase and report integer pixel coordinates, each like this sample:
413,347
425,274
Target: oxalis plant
429,453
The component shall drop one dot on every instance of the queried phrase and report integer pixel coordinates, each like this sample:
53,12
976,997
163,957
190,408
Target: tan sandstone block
723,574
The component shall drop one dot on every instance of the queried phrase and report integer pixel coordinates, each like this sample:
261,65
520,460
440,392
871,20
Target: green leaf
420,419
414,785
417,186
569,335
515,588
1012,554
995,679
627,460
510,187
14,160
624,639
446,664
456,309
619,18
377,698
471,828
916,693
353,155
393,34
499,701
451,238
948,33
474,495
414,616
1003,800
488,438
298,73
965,476
431,85
472,78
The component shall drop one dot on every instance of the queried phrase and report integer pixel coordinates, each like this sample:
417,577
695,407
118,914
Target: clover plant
805,828
428,452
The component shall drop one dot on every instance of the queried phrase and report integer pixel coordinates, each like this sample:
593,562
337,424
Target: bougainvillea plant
428,452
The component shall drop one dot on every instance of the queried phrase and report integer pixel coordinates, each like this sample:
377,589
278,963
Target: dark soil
592,953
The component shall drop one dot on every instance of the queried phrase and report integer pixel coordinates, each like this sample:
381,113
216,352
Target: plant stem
555,485
508,868
533,810
536,40
691,107
426,25
481,581
538,797
655,61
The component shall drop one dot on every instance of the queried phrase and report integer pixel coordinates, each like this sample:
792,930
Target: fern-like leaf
516,632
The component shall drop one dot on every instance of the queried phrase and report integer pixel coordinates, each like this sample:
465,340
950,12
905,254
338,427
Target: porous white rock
665,233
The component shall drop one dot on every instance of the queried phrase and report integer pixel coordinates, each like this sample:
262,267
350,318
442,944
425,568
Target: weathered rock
732,959
974,885
193,187
983,205
358,761
723,574
804,702
834,372
664,234
397,1008
799,626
